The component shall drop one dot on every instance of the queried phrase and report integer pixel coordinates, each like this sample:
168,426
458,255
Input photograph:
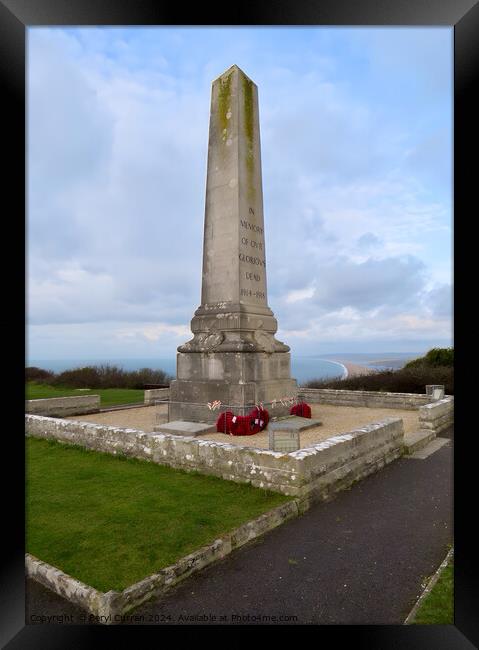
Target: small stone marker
435,391
283,440
180,428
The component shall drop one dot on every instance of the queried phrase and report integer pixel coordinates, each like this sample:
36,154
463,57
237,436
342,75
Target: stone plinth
189,398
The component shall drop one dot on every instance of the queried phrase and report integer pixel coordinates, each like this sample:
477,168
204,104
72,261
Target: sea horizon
303,367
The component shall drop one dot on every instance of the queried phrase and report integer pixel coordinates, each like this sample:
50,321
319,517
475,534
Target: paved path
359,559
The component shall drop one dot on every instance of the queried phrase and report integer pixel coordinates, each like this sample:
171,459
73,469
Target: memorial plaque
283,440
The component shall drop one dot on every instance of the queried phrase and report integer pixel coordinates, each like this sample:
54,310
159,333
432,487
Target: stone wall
373,399
62,406
156,394
437,416
314,472
369,398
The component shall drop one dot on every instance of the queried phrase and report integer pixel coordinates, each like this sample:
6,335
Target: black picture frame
15,17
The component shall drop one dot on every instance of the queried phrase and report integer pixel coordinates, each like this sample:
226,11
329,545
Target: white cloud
299,294
153,331
117,148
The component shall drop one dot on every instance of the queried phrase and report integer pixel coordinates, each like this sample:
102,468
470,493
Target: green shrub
406,380
440,357
103,376
436,357
33,373
87,377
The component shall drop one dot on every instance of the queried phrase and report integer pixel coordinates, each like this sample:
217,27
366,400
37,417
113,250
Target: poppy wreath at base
242,425
224,422
302,410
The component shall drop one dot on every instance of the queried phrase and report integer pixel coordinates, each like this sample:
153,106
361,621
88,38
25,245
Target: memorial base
238,380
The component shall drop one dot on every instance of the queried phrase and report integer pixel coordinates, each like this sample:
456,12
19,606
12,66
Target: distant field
111,521
108,396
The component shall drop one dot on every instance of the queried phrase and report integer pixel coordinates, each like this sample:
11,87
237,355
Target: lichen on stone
249,131
224,95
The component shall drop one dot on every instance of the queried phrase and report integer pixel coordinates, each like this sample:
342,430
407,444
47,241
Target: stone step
417,440
122,407
430,448
183,428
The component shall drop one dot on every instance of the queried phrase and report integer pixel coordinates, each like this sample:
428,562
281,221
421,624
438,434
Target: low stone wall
156,394
62,406
314,472
369,398
437,416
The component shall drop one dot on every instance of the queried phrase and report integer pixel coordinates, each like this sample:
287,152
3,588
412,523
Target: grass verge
110,521
438,606
108,396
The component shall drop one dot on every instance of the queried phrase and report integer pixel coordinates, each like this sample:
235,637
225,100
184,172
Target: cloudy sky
356,138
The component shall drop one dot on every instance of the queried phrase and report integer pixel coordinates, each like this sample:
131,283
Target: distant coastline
355,370
345,374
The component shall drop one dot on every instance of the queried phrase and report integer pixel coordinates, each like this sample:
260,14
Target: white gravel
335,420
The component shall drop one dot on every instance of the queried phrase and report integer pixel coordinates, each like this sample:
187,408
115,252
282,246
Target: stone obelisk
233,356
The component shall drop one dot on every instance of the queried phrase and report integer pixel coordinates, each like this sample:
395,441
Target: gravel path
335,420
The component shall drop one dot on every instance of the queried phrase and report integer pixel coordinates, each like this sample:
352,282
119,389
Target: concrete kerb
427,590
109,607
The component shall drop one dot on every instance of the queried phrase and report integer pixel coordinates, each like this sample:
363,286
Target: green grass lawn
438,607
108,396
111,521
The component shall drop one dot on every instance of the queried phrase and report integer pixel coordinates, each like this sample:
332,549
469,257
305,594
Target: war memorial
235,362
233,356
